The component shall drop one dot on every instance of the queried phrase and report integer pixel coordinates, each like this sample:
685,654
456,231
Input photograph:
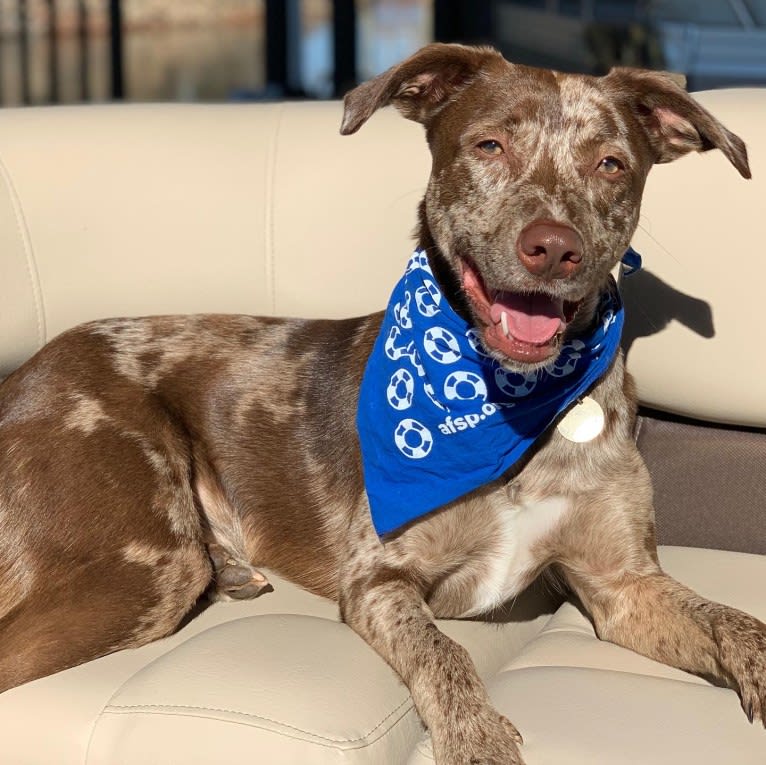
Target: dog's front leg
656,616
614,570
385,605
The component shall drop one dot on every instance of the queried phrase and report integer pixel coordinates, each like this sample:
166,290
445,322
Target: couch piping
269,228
31,264
183,710
691,682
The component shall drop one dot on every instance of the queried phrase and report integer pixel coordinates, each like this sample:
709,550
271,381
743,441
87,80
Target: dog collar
438,417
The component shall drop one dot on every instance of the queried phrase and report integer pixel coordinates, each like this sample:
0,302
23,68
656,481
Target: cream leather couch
265,209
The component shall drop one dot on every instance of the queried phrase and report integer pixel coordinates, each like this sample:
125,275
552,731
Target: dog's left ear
419,86
674,122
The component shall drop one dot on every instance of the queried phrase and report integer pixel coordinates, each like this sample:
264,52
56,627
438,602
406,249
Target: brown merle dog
143,459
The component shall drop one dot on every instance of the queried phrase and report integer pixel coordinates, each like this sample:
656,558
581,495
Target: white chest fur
512,558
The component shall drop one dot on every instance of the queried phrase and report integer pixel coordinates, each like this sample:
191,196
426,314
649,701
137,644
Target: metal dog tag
583,422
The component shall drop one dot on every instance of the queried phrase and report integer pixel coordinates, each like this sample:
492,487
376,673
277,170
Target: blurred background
68,51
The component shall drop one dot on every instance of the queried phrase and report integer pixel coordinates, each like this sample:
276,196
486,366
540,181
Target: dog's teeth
504,322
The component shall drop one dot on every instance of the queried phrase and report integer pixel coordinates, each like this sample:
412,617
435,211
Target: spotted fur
145,461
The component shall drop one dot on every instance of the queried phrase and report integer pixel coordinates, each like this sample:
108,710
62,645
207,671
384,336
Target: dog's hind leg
79,608
101,544
234,575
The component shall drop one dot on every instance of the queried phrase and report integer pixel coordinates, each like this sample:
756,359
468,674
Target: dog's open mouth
524,327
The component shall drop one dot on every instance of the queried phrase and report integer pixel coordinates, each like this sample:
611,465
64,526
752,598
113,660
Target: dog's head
536,181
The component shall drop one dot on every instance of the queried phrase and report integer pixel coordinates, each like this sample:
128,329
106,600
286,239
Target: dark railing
283,32
116,56
453,20
51,34
91,39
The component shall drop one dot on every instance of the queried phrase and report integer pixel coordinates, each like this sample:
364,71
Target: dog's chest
507,565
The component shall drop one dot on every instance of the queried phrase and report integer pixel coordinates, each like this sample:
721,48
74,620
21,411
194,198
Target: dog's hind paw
235,579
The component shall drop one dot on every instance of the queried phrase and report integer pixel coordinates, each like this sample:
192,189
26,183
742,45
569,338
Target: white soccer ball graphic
413,439
401,390
441,345
427,299
465,386
567,361
514,383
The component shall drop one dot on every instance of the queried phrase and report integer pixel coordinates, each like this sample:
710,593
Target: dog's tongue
531,318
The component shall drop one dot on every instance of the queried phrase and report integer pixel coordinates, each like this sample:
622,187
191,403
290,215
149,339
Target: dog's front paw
486,739
741,642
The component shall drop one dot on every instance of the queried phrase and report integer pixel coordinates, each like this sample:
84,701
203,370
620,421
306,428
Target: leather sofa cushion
280,680
581,701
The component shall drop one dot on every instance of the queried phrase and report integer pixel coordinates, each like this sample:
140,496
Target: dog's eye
493,148
610,166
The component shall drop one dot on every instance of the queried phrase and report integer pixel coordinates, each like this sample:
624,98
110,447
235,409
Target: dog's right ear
419,86
674,122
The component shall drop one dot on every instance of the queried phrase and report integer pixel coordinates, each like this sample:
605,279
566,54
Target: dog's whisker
636,306
659,244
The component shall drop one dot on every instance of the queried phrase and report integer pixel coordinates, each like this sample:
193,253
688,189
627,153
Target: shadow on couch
651,304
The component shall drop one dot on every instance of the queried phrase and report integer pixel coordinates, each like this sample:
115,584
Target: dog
144,461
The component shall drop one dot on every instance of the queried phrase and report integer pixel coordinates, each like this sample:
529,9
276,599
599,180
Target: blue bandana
438,417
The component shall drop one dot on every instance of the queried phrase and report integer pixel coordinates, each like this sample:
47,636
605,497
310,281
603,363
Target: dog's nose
550,250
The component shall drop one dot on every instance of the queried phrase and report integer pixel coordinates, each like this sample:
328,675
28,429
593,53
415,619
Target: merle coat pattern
131,480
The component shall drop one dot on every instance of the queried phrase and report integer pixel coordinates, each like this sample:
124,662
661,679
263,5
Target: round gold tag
583,422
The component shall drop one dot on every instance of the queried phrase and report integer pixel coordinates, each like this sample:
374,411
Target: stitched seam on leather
613,671
34,276
105,709
312,741
181,708
270,206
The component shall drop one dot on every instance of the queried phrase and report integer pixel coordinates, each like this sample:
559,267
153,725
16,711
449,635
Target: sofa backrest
135,210
150,209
